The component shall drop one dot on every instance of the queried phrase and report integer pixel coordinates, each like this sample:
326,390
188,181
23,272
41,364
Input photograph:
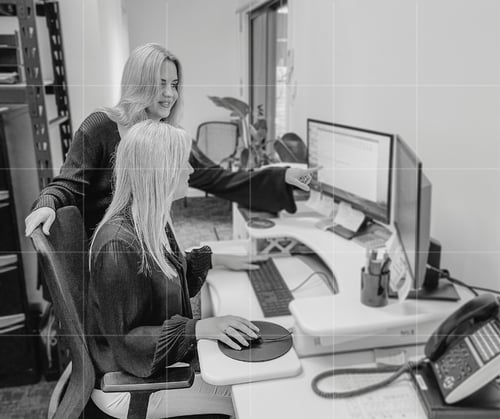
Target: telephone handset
464,352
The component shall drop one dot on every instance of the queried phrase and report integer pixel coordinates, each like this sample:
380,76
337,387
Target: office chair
291,148
64,262
219,141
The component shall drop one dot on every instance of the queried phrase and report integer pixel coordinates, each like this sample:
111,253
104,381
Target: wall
429,71
205,36
310,61
96,47
95,41
146,24
209,54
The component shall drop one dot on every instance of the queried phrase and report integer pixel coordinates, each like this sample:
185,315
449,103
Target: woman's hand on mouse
227,329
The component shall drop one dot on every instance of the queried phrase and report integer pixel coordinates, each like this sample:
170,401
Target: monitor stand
341,231
327,224
445,291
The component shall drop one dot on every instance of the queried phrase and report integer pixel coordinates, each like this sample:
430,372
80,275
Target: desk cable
323,275
444,273
397,372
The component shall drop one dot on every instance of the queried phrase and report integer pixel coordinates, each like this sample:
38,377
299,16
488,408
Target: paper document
399,400
348,217
399,280
320,203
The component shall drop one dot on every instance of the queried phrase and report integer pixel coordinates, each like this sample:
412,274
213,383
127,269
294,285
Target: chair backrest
291,148
218,140
64,261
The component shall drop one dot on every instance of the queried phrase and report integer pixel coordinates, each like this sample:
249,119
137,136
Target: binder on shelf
4,196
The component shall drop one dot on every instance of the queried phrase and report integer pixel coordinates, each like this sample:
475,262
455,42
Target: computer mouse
251,340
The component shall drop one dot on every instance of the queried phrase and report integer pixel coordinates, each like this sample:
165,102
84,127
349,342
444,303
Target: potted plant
254,151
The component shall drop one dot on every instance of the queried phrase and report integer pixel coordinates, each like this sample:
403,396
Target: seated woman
139,318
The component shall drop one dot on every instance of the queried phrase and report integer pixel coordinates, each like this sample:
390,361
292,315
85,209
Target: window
268,65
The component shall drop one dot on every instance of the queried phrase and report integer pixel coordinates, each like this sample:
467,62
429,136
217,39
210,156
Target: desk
292,397
343,315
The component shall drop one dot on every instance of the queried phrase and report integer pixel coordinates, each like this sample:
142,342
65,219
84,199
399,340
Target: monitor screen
412,206
356,166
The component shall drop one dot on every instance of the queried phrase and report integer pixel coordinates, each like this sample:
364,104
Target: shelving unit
25,168
18,343
35,87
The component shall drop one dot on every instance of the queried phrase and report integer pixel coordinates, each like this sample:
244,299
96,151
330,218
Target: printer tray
484,404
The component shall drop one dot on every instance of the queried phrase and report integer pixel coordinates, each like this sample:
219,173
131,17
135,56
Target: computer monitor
356,166
412,210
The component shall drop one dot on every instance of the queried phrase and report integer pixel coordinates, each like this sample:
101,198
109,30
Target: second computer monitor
412,210
356,166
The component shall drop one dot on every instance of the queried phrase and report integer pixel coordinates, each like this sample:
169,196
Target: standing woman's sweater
85,179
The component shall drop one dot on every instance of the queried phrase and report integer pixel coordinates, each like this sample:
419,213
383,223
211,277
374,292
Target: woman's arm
85,155
124,302
264,190
198,261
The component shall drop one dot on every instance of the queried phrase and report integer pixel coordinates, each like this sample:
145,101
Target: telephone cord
397,372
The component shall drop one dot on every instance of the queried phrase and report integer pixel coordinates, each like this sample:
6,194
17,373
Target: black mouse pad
276,341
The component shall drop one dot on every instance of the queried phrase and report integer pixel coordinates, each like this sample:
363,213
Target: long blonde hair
141,85
148,165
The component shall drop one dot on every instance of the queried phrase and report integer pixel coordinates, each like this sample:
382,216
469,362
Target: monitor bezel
386,219
415,275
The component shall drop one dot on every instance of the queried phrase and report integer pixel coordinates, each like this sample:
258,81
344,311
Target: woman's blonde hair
141,85
148,165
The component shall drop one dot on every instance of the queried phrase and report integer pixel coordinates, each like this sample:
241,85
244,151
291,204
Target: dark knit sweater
140,322
85,179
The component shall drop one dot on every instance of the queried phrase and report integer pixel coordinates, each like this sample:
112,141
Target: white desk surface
219,369
293,398
327,315
290,398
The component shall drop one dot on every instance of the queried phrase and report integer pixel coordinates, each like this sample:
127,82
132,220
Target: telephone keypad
467,356
486,341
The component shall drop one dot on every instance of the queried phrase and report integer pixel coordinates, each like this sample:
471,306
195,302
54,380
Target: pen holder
374,289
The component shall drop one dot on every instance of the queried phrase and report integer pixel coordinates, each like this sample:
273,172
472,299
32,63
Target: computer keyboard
270,288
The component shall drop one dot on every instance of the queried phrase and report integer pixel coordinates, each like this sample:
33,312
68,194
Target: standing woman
139,318
151,89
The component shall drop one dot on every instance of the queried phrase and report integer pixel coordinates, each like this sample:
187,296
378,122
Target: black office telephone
464,352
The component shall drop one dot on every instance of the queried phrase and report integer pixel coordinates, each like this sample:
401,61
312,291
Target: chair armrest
173,377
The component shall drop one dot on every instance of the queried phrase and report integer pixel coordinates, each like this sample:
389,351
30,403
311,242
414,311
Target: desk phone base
470,363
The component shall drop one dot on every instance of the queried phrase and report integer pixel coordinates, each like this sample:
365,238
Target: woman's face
182,186
168,95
